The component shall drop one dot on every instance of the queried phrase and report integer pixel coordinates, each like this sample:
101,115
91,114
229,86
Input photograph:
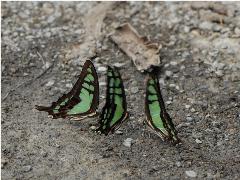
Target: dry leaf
143,52
93,22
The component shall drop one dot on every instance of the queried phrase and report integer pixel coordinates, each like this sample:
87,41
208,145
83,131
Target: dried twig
41,58
226,109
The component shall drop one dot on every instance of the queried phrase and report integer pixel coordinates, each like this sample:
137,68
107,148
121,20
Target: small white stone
198,141
178,164
182,67
128,142
93,127
177,88
118,132
102,69
118,64
191,173
161,81
69,85
237,31
187,106
186,29
27,168
168,73
50,83
172,85
189,118
193,110
79,31
134,90
168,102
173,63
46,65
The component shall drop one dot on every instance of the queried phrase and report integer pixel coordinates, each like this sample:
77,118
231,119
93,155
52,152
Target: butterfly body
82,101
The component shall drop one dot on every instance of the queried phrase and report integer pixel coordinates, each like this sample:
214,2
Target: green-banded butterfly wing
82,100
86,99
109,97
157,117
115,109
119,100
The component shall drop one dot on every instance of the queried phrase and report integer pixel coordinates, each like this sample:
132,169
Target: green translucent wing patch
82,100
157,117
115,110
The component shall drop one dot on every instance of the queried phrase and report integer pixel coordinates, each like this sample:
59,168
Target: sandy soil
199,77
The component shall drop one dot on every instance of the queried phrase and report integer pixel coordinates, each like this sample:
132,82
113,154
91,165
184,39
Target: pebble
217,28
3,163
104,47
172,85
187,106
206,25
173,63
102,69
161,81
3,68
219,73
168,102
134,90
13,70
183,125
79,31
237,31
191,173
128,142
198,141
93,127
69,85
168,73
186,29
118,132
192,110
27,168
46,65
118,64
178,164
189,118
50,83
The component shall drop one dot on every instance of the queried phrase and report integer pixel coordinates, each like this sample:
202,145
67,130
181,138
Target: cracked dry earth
199,80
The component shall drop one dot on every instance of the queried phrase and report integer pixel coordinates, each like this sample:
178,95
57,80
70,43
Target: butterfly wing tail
43,108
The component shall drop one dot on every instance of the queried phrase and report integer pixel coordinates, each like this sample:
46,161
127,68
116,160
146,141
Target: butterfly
114,111
83,99
157,117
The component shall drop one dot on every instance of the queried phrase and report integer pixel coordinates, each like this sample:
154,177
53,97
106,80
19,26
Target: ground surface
200,82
